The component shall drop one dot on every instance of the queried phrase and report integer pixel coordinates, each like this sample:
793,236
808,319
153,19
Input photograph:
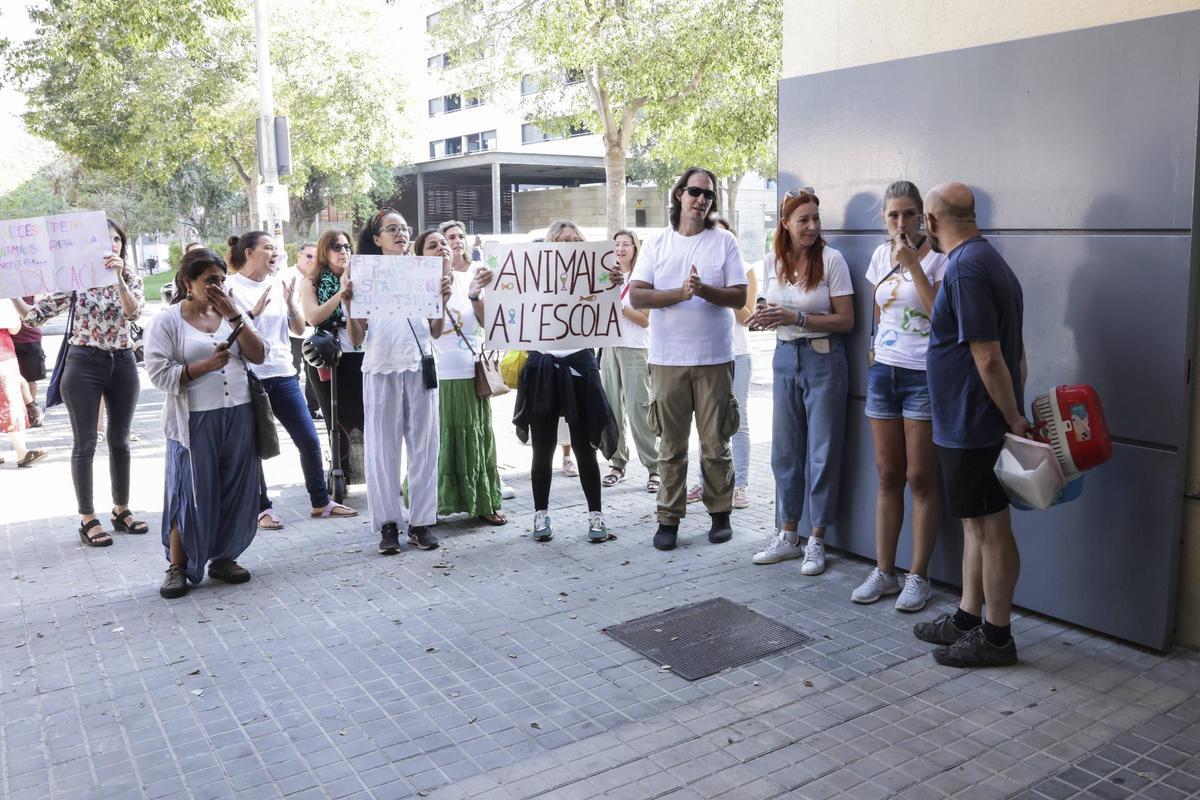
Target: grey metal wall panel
1090,176
1046,125
1074,557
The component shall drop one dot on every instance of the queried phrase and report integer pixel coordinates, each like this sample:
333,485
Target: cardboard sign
406,287
552,296
62,253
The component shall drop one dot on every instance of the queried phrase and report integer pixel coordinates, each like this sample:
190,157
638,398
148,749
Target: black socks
997,635
965,622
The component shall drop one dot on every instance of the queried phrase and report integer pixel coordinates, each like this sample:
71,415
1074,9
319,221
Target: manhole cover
704,638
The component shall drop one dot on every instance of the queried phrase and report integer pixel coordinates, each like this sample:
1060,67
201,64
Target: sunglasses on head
340,248
804,190
696,191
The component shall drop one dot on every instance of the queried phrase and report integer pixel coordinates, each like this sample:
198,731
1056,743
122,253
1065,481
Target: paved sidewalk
479,670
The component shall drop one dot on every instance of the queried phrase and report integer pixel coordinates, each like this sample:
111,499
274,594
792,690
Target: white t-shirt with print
819,300
455,360
903,334
694,332
392,346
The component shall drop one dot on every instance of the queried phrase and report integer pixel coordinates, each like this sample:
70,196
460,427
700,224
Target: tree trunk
614,175
731,189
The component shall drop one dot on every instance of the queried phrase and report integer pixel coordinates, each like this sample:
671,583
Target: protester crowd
398,400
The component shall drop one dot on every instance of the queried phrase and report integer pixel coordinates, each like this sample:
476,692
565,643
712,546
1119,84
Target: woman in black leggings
100,365
565,384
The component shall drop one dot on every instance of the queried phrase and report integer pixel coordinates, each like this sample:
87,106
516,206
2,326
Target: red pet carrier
1069,419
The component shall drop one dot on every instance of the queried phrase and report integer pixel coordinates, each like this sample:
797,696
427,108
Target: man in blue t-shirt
976,372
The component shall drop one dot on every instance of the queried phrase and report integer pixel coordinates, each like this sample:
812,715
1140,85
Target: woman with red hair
810,306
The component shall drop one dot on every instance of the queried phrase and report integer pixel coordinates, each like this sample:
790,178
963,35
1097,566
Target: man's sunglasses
696,191
340,248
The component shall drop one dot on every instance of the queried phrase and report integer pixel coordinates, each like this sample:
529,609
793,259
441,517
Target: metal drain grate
704,638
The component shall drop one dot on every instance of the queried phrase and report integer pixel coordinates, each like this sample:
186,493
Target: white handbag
1029,472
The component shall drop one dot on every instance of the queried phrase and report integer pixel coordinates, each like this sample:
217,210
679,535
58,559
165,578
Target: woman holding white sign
400,402
468,477
565,384
99,366
324,301
273,311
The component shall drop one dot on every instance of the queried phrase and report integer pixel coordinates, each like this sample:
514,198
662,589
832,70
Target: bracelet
250,314
474,299
233,320
801,318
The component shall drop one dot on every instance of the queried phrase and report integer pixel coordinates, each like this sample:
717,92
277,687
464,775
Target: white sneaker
780,549
875,586
814,557
916,594
507,492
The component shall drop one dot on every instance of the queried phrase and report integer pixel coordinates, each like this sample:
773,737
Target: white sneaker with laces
875,586
916,594
814,557
780,549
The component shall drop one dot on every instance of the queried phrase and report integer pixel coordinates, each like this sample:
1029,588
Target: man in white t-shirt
690,278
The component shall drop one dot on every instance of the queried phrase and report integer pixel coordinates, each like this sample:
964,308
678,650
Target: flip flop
334,510
268,520
495,518
31,456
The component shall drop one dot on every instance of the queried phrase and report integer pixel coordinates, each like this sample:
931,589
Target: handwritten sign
62,253
406,287
552,296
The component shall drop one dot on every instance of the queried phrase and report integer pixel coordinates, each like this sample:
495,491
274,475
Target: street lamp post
272,138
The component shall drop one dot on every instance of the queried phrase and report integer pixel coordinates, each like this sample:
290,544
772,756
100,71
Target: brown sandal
97,539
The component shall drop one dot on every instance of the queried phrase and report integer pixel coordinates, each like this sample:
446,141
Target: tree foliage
643,65
146,90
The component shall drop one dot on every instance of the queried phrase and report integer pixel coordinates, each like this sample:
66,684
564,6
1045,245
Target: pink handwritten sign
61,253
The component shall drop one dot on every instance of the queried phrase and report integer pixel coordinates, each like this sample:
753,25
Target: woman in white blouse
400,411
274,312
197,352
810,305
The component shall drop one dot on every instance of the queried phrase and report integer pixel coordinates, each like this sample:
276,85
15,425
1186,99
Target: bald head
951,203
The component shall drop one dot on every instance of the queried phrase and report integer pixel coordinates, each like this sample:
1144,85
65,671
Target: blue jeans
743,367
287,401
808,428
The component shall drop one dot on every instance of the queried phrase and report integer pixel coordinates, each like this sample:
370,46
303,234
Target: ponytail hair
238,245
194,264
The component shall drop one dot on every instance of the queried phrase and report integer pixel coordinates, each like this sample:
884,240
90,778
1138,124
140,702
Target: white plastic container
1029,472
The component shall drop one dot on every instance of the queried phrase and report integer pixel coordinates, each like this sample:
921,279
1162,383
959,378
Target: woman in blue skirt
196,351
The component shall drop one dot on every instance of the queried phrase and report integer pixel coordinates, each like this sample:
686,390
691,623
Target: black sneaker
665,536
422,537
720,531
228,570
175,584
389,539
941,630
974,650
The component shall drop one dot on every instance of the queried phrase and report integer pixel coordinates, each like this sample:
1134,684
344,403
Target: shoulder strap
462,335
416,338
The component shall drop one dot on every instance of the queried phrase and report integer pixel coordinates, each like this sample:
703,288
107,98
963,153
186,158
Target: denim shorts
896,392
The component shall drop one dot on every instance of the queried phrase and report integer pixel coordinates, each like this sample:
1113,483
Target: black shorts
972,488
31,360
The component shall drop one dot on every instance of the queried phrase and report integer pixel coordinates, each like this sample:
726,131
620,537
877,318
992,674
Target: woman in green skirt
468,480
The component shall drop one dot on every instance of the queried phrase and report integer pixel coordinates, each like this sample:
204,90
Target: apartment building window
485,140
454,146
437,106
579,130
529,85
432,21
573,76
440,61
453,102
473,99
437,149
532,133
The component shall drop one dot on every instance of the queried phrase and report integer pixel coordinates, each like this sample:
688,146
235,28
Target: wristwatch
801,318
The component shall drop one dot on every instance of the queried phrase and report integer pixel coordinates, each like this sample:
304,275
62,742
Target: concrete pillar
420,203
497,222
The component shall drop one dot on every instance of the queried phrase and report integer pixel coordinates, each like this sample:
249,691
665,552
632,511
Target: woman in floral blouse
99,365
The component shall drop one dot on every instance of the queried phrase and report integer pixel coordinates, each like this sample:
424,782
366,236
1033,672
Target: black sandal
614,476
132,526
98,539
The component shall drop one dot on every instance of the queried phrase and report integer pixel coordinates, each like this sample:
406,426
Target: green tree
638,63
204,200
139,88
